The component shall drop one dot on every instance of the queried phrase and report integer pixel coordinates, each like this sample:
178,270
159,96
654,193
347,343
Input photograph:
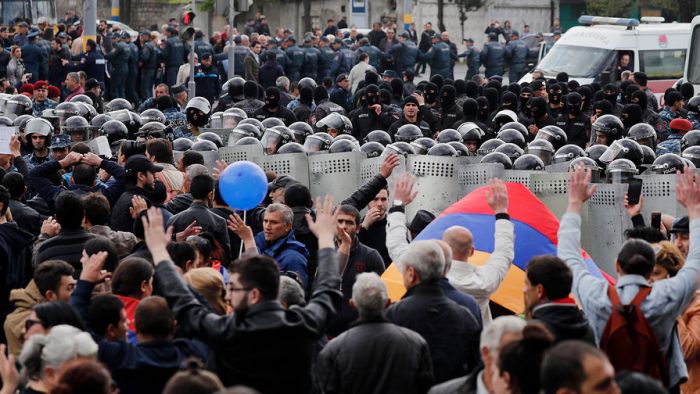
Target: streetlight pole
191,85
90,12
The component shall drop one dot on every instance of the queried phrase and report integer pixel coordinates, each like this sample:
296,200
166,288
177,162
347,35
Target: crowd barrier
442,181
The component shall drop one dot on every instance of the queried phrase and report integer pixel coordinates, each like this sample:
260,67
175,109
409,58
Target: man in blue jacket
277,241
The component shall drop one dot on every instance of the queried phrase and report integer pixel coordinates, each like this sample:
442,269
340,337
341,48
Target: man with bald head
482,281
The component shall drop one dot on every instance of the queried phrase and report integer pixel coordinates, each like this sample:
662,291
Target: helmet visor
271,141
14,108
229,121
314,144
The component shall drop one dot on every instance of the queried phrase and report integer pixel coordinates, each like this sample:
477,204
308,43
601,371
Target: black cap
421,221
140,163
281,181
92,83
177,89
681,225
341,77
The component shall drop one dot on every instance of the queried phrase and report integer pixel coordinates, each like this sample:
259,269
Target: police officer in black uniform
372,115
574,122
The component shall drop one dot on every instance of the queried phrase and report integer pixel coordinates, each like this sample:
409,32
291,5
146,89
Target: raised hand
8,372
497,196
372,216
50,227
91,159
138,204
218,169
403,190
326,223
580,188
688,192
92,267
156,238
192,229
636,209
390,162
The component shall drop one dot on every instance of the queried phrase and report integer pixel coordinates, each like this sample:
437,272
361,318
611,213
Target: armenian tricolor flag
535,234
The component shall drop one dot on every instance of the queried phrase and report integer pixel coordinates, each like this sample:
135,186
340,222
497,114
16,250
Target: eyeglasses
29,323
239,289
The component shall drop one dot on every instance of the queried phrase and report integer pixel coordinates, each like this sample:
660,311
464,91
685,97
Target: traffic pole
231,56
90,22
115,10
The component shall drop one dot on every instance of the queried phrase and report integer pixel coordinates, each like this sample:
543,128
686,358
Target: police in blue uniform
493,56
148,56
405,53
295,57
439,57
133,75
174,55
473,56
119,58
326,60
516,53
312,58
375,54
32,56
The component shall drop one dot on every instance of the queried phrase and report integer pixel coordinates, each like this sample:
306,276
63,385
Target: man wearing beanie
273,109
411,115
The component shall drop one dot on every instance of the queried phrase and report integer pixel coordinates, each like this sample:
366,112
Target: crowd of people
125,269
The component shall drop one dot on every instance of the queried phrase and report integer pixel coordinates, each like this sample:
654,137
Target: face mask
573,109
555,97
612,98
372,100
430,96
447,100
196,118
509,106
272,101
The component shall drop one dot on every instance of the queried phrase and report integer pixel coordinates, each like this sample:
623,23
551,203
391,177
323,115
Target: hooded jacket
24,300
565,320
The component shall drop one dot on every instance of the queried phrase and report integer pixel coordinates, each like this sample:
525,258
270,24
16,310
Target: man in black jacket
372,116
574,122
452,332
273,109
374,355
355,258
547,287
262,345
141,179
374,195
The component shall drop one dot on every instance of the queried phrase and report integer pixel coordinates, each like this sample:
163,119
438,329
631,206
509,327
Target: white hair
369,294
290,292
61,344
426,258
194,170
492,333
287,214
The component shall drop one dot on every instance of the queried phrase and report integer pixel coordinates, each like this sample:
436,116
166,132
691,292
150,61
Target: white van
591,53
692,67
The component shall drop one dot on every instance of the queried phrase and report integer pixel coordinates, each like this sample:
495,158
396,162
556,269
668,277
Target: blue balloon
243,185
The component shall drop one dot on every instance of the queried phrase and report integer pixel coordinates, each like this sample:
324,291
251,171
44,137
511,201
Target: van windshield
693,71
578,62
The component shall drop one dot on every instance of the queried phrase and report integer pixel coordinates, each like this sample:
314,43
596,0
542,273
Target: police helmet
81,98
21,121
528,162
400,147
307,82
65,110
489,146
553,134
595,151
291,147
516,126
623,149
17,105
512,136
117,104
232,117
470,132
5,121
216,120
78,128
422,145
234,87
692,153
648,155
621,171
343,145
448,135
667,163
407,133
568,152
499,158
380,136
318,142
272,122
442,149
340,123
691,138
204,146
154,130
586,162
511,150
252,121
213,137
644,134
372,149
99,120
542,149
503,117
182,144
249,141
693,106
274,138
152,115
610,126
114,130
301,130
39,126
460,148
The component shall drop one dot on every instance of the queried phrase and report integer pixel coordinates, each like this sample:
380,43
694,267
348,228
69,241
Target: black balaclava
538,107
250,90
509,101
572,86
631,115
515,88
372,90
524,100
447,96
484,111
573,103
491,95
554,93
385,96
470,110
438,80
687,90
604,106
396,88
460,87
272,97
320,94
640,98
306,95
430,93
595,86
612,97
586,93
629,90
472,89
371,78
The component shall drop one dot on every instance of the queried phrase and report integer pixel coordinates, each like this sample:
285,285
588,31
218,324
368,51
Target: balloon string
240,249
